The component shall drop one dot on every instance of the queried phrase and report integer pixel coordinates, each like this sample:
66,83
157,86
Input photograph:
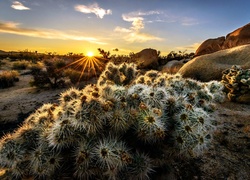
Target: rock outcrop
240,36
210,66
210,46
146,58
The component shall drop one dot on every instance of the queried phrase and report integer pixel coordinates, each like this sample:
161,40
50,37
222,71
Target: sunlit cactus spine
84,160
150,127
44,162
154,97
129,71
70,94
11,151
217,89
119,75
150,76
123,127
192,128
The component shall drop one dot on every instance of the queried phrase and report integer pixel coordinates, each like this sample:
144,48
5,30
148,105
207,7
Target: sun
90,54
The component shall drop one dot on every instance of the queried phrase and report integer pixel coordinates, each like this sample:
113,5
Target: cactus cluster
237,81
123,127
121,74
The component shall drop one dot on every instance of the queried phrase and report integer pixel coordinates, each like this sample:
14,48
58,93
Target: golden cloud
13,28
133,33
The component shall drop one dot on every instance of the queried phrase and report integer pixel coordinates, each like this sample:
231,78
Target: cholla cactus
119,75
120,128
237,81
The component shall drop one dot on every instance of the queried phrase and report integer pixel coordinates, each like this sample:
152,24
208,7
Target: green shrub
125,127
8,78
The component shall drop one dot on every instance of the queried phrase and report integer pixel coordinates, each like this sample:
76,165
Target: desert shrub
50,76
119,59
8,78
75,76
2,63
39,66
175,56
125,127
21,65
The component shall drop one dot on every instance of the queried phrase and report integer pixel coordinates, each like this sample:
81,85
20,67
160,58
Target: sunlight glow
90,54
88,66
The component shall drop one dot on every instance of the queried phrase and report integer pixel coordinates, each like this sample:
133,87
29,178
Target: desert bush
75,76
21,65
175,56
39,66
119,59
2,63
125,127
50,76
8,78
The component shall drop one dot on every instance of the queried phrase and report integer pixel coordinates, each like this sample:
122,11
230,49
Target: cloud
19,6
134,32
141,37
122,30
137,22
167,17
187,21
93,8
13,28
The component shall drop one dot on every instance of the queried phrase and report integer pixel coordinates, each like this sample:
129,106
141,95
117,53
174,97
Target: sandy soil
227,159
20,100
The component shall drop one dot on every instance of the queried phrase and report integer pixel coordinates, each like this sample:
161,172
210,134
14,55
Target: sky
81,26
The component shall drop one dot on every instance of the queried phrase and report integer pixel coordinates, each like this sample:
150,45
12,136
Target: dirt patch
17,102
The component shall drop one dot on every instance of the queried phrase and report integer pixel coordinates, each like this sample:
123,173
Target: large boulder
146,58
210,66
240,36
210,46
172,67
